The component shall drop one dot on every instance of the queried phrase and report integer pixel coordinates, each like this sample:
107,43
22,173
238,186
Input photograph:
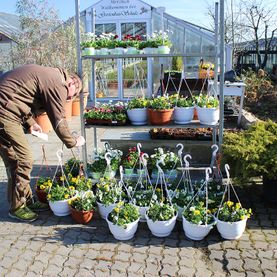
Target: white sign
121,9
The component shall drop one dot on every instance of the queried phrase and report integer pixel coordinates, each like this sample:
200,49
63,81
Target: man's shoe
38,206
24,214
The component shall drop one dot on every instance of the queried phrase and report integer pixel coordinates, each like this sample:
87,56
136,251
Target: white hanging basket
208,116
161,228
122,233
195,231
231,230
183,115
137,116
105,210
60,208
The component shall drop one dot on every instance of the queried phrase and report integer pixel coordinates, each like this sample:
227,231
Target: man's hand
36,128
80,141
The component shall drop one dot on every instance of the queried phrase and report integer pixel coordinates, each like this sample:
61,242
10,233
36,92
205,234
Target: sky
194,11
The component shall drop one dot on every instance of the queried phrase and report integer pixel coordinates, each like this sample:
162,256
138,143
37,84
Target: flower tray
104,122
203,134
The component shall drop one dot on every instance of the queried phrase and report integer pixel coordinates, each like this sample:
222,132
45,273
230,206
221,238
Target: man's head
74,85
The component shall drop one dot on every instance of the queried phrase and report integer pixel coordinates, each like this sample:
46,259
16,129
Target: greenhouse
124,78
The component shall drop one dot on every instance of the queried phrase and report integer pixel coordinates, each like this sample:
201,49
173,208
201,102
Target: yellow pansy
74,180
106,187
242,217
230,203
42,187
196,212
49,196
238,206
116,209
66,196
71,188
62,178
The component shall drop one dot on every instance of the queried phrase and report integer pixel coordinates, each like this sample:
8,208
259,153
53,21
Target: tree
44,40
260,21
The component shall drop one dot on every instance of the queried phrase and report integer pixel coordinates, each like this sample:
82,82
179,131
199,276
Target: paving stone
235,254
142,249
170,260
58,260
252,265
203,272
229,244
68,272
92,254
268,254
106,255
63,250
116,273
217,265
168,270
235,273
138,258
215,246
187,262
7,262
244,245
122,256
15,273
216,255
234,264
31,274
100,273
120,266
72,262
104,265
153,258
22,264
124,248
155,250
37,267
171,252
152,268
269,265
136,268
253,274
185,272
268,273
186,252
248,254
84,273
89,264
52,270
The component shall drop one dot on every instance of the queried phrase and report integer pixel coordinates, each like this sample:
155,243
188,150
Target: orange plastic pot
82,217
44,122
160,117
42,195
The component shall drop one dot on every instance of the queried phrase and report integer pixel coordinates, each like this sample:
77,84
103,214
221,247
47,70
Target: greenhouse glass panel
193,42
134,77
133,29
105,28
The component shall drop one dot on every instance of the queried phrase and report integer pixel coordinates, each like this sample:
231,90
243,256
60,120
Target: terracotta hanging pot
76,105
82,217
42,195
44,122
160,117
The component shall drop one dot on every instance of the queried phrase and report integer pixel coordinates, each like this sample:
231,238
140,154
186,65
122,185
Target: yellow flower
49,196
230,203
238,206
71,188
208,211
242,217
196,212
62,178
116,209
158,189
106,187
66,196
74,180
42,187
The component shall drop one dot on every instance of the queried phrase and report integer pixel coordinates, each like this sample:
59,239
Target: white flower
161,151
192,209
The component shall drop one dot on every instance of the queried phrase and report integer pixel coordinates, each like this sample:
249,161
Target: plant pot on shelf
68,109
137,116
208,116
44,122
89,51
76,105
160,117
195,231
231,230
82,217
163,49
121,232
183,115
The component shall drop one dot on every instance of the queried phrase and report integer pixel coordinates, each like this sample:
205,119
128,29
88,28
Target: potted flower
58,198
80,183
231,220
107,195
161,219
99,168
137,111
183,110
160,110
123,221
197,221
73,166
143,198
206,70
253,153
82,207
130,161
207,109
88,44
42,187
162,42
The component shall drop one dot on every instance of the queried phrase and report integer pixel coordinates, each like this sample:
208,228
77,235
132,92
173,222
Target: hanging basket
208,116
60,208
231,230
105,210
82,217
160,117
41,195
183,115
195,231
123,233
161,228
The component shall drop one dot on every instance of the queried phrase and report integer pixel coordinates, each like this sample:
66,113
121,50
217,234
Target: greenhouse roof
250,45
9,24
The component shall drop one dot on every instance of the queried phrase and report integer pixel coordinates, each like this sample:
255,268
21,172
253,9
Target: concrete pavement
56,246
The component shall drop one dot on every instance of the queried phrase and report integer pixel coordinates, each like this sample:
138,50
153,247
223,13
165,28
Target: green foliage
231,212
198,214
84,202
123,214
160,103
73,166
183,102
143,198
256,85
161,212
252,152
177,64
181,197
58,193
44,183
137,103
108,192
131,159
205,101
